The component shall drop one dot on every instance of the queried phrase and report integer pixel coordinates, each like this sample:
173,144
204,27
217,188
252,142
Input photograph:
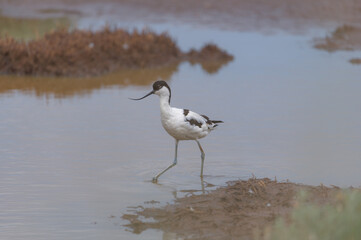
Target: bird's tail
216,121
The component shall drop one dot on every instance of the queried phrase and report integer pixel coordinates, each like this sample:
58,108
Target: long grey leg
202,184
202,156
155,179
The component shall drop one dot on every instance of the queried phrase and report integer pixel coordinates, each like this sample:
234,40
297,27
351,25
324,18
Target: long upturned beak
152,92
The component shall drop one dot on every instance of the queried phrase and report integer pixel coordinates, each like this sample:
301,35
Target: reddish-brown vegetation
87,53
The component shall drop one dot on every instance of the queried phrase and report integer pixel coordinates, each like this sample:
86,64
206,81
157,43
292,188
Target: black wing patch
207,118
194,122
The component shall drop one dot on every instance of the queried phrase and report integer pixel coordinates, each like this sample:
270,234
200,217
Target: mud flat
238,211
87,53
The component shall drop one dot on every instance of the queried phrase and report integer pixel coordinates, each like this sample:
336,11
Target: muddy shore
246,15
87,53
240,210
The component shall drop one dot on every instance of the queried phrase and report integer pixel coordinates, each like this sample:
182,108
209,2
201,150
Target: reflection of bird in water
182,124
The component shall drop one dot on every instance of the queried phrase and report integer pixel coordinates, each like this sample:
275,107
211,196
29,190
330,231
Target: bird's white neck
165,108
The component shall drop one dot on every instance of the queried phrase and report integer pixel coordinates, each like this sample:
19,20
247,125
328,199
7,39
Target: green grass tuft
340,220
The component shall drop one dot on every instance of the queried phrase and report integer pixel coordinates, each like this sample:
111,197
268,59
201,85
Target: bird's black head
159,88
159,84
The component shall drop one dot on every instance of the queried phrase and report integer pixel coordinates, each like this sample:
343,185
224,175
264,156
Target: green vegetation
29,29
339,220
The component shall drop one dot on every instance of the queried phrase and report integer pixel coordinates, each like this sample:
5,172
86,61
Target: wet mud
87,53
241,210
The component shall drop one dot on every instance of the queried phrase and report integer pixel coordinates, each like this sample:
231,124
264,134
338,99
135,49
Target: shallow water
76,153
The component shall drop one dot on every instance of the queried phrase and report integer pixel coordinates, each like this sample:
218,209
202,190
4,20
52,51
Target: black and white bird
182,124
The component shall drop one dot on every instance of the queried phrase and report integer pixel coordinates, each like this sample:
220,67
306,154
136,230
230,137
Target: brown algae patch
241,210
87,53
355,61
345,37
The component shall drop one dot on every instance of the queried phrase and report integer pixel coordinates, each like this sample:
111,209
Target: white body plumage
178,126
